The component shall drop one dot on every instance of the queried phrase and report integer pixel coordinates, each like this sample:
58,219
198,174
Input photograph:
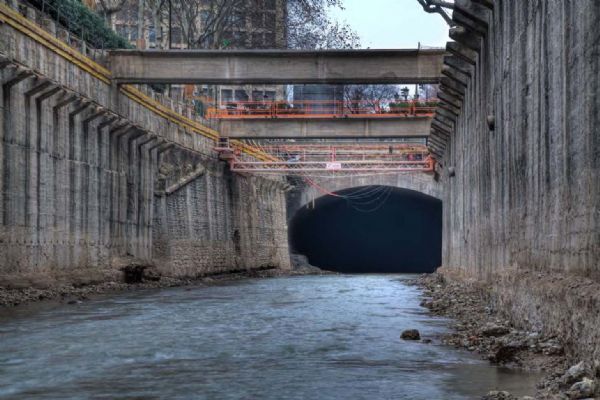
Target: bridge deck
326,127
277,66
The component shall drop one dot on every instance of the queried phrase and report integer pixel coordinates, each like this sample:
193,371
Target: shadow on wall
370,229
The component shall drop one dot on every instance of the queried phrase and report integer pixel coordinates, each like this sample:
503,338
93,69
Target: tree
214,24
107,8
369,96
309,26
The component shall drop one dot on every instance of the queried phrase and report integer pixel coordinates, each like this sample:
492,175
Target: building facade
203,24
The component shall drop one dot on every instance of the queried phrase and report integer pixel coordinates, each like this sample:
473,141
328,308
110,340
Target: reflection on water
315,337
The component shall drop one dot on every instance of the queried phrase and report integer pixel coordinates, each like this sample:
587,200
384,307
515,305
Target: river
309,337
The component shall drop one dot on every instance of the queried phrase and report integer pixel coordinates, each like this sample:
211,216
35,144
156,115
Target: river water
310,337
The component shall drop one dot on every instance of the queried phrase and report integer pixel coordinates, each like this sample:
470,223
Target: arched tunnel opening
370,229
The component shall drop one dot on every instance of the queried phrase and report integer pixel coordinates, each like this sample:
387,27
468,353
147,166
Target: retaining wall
523,209
79,167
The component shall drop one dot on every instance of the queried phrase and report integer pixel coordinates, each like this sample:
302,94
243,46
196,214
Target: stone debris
410,334
480,328
575,373
492,329
499,395
582,390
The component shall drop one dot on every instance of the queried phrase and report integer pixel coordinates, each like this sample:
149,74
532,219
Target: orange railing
322,109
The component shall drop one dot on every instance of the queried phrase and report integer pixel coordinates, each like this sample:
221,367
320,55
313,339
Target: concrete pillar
113,203
103,129
58,170
13,123
79,246
127,188
40,125
134,187
146,197
90,182
157,213
208,182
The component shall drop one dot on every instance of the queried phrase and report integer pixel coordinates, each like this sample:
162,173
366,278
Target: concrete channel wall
523,209
87,181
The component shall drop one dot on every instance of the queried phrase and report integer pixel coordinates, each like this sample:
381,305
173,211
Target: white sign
333,165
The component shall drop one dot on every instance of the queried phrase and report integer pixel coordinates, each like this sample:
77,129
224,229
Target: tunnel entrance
370,229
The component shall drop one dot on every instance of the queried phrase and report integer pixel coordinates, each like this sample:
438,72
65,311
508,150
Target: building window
241,95
257,40
121,30
270,40
258,20
226,95
133,33
152,34
270,21
239,39
176,36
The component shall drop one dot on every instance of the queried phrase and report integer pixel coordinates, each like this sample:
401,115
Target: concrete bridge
276,66
326,127
86,180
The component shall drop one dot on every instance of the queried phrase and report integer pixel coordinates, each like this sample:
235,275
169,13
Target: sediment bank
481,326
24,291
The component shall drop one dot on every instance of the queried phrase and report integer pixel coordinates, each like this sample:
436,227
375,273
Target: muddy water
314,337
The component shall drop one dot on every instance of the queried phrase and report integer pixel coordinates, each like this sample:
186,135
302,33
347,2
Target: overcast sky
393,24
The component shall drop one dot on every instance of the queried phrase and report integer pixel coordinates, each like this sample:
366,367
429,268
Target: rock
597,368
151,273
410,334
582,389
574,374
551,348
492,329
426,341
504,353
499,395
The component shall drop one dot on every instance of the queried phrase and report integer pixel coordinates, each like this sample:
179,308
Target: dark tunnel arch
361,233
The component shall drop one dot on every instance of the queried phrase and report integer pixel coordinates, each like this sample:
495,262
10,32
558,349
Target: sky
393,24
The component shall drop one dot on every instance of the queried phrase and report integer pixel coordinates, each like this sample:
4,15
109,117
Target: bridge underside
326,128
277,66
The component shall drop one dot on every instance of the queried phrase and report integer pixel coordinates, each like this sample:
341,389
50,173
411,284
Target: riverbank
480,327
75,289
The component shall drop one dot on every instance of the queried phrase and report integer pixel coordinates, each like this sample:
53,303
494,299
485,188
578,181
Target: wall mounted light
491,121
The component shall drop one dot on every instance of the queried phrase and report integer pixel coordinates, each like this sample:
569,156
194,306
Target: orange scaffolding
300,159
322,109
